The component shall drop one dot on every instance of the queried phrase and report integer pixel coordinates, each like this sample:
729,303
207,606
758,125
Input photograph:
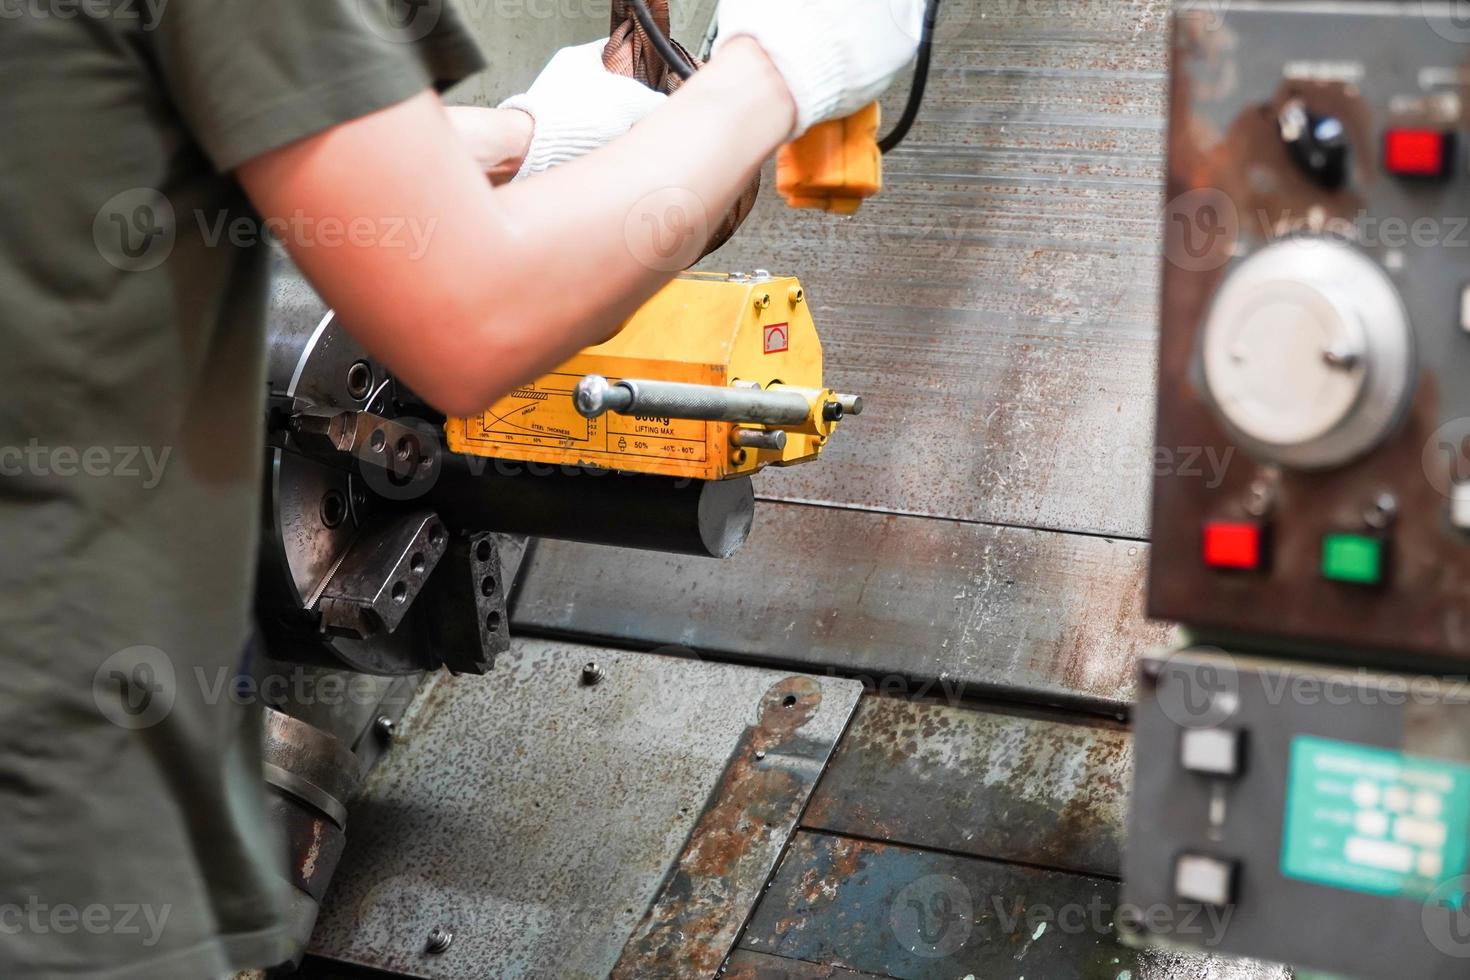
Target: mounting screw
360,380
439,940
1260,498
334,508
385,728
592,674
1382,511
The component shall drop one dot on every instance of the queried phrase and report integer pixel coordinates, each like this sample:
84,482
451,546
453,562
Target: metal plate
914,915
959,608
1003,786
995,305
545,822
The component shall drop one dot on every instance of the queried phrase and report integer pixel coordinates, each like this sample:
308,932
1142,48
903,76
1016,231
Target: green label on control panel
1374,820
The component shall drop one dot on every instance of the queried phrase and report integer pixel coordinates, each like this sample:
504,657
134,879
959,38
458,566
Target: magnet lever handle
793,408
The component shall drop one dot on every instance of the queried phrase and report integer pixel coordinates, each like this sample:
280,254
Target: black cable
921,81
681,66
677,63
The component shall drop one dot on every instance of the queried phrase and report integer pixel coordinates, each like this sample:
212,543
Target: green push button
1355,558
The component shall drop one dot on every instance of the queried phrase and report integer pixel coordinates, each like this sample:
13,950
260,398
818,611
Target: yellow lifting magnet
717,376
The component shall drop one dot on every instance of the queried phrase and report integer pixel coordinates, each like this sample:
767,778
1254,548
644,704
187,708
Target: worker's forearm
496,138
507,283
602,233
583,246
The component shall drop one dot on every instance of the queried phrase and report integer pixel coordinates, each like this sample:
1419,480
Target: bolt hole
405,449
334,508
789,701
492,622
487,586
436,535
378,441
400,592
417,563
360,380
482,551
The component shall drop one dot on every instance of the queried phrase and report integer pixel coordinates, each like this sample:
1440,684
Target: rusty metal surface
545,821
736,843
914,915
1003,786
747,965
996,303
958,608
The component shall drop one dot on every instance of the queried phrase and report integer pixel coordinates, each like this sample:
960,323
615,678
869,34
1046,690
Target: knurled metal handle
595,396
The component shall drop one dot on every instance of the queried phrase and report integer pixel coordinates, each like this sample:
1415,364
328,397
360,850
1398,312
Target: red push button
1233,544
1418,152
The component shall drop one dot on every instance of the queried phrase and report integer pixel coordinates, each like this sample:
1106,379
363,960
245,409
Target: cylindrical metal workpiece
770,439
596,396
651,513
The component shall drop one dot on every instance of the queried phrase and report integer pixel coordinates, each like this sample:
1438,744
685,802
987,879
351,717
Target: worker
142,140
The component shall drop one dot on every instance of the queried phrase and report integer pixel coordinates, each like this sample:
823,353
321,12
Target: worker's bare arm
496,138
509,282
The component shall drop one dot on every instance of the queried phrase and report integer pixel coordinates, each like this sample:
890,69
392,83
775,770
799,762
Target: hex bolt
439,940
385,728
592,674
832,412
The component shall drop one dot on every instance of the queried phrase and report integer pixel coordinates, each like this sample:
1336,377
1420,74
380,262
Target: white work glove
835,55
579,106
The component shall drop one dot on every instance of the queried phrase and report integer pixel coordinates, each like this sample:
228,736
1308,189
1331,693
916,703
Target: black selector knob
1317,143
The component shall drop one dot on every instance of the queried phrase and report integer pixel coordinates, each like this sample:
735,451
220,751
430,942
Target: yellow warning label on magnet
540,422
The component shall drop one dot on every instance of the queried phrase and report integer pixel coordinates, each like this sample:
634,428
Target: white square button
1215,751
1208,880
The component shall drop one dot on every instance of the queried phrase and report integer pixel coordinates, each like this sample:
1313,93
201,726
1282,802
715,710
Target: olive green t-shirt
132,390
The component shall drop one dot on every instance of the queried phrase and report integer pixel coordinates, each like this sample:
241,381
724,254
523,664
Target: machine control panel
1301,813
1302,768
1314,337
